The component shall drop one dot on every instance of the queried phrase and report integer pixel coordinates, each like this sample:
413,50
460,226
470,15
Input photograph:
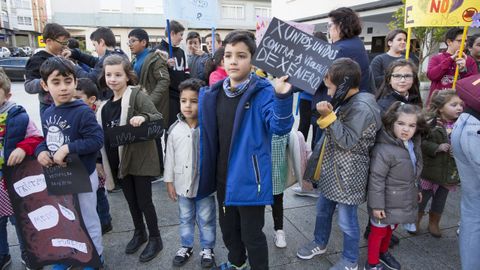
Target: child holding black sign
70,128
237,119
134,164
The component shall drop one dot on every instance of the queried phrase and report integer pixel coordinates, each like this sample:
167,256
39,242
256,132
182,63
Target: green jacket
438,167
139,158
154,81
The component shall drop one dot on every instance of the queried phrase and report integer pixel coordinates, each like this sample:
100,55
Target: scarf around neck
237,90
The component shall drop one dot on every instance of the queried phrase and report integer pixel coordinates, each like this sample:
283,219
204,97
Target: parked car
14,67
4,52
28,50
17,52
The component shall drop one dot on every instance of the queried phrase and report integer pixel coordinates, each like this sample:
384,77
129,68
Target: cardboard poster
51,225
263,22
437,13
128,134
198,13
286,50
71,179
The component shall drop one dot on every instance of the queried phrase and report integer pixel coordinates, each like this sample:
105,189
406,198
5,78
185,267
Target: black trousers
242,232
277,212
438,201
306,120
138,192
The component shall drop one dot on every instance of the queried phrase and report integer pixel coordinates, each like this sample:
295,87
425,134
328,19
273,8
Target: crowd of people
230,139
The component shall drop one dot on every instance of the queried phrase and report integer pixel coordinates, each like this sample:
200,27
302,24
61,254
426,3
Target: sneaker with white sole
305,193
208,258
279,239
182,256
310,250
343,264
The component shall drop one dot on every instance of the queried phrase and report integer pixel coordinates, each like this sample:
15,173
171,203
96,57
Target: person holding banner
135,164
441,67
196,57
211,45
19,137
70,128
237,119
350,126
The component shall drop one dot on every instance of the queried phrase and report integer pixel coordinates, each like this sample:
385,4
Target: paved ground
414,252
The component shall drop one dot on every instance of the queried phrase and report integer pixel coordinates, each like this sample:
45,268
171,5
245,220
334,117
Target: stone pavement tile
291,200
317,263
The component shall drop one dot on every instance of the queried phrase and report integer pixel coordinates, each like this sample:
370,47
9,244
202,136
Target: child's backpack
298,154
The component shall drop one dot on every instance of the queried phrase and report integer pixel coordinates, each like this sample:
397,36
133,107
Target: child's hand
44,159
420,198
444,147
281,85
171,62
324,108
136,121
461,61
16,157
59,156
172,193
100,170
379,214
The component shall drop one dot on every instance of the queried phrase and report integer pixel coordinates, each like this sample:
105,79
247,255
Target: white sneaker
279,239
310,193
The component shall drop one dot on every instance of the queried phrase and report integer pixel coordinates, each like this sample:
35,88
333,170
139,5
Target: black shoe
389,261
373,267
208,258
152,249
139,237
5,261
116,189
182,256
367,231
107,228
394,241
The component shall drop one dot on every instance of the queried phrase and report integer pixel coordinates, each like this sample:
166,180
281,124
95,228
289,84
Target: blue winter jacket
16,129
259,115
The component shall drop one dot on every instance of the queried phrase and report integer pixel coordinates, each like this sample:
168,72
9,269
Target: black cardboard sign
51,226
128,134
286,50
71,179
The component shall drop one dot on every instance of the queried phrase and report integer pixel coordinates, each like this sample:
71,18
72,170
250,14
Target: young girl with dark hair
214,70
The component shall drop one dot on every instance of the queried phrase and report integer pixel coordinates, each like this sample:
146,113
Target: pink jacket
218,75
441,70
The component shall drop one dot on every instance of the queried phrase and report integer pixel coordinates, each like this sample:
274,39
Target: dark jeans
438,201
277,212
242,231
160,153
138,192
103,207
306,120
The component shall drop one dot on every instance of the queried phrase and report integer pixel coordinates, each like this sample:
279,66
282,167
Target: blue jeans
103,207
466,149
4,237
348,222
204,213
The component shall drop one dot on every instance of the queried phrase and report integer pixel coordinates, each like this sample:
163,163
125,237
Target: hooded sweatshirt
179,72
72,123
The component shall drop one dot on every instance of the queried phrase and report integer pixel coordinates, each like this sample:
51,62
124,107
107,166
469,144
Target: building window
110,6
24,20
148,6
264,12
25,4
235,12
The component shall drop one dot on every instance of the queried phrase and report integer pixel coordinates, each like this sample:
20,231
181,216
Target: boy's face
61,88
454,45
56,45
332,88
193,45
100,47
237,61
136,45
90,101
208,40
4,97
189,104
176,38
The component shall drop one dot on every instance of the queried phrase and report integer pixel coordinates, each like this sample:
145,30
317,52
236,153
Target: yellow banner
439,13
41,42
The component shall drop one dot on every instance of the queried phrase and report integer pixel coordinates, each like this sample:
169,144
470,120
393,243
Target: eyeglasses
406,77
63,43
131,41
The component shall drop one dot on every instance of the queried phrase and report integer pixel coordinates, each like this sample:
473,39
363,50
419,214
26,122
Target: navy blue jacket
354,49
73,123
16,129
259,115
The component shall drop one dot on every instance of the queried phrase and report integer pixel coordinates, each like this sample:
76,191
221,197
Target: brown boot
433,224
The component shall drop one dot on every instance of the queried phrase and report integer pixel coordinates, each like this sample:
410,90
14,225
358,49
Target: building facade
124,15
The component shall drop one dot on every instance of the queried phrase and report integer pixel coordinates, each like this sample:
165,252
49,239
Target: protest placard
263,22
198,13
129,134
286,50
70,179
52,227
437,13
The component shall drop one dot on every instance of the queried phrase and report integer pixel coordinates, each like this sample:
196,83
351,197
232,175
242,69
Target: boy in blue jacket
70,127
237,118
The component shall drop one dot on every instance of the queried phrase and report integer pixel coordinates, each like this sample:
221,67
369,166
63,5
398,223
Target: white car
4,52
